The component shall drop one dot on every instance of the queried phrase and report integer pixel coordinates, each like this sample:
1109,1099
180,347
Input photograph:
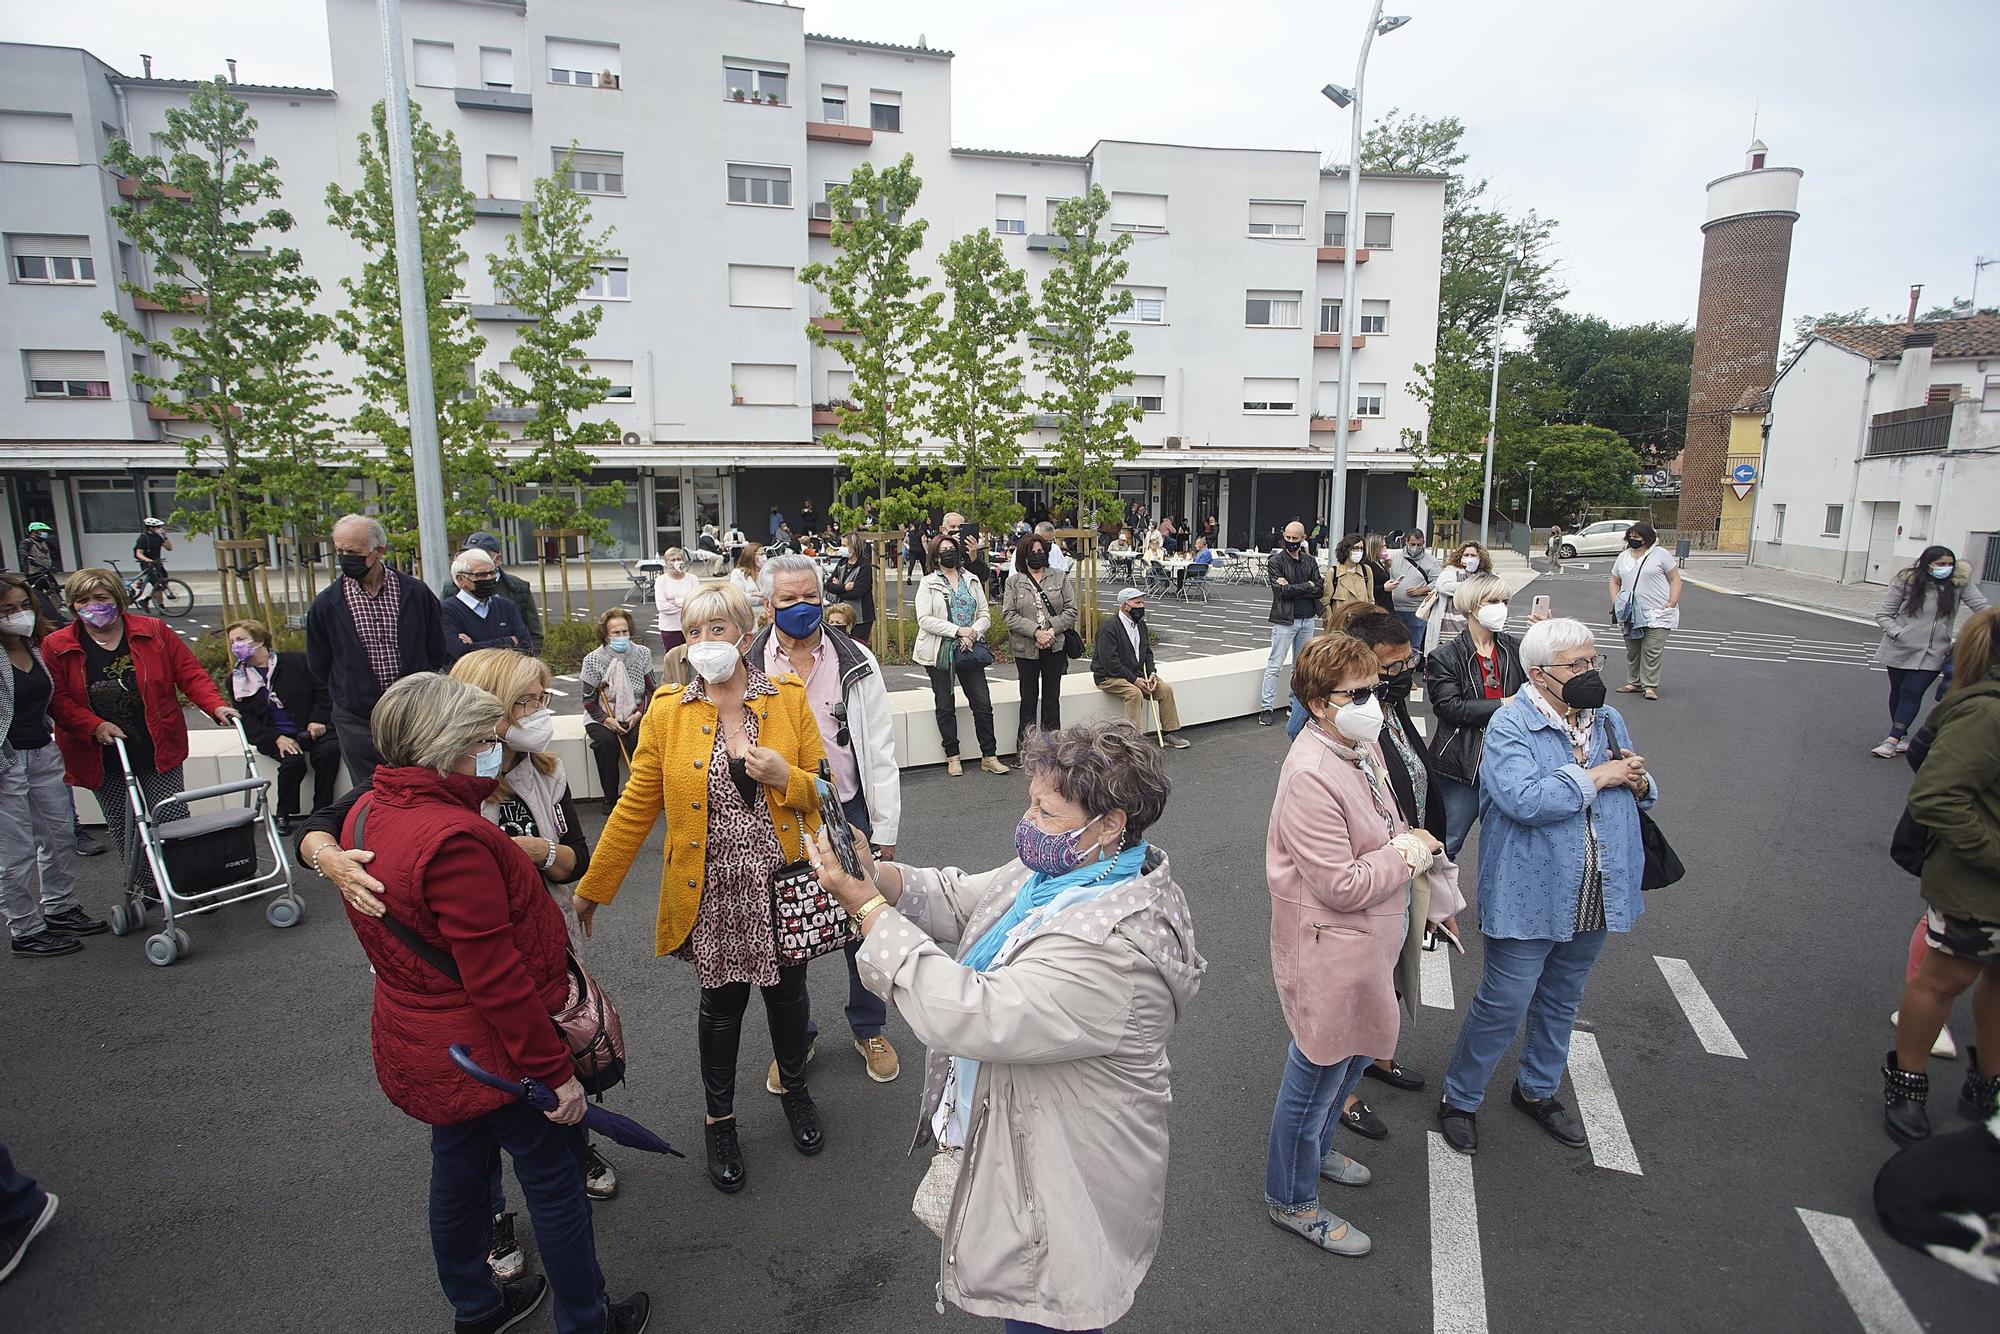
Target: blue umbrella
622,1129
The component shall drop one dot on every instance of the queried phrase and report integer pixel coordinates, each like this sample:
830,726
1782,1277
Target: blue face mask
1050,854
799,620
621,643
1942,571
489,761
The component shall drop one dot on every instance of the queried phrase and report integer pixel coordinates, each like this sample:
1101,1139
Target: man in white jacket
850,702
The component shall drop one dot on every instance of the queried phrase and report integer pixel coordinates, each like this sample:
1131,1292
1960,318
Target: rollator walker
206,861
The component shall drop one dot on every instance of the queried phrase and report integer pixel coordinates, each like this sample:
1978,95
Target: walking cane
1158,735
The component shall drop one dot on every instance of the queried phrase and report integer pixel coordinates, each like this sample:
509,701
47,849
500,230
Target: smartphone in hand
1541,606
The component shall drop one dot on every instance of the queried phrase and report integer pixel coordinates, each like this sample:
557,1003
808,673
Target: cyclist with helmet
147,549
39,565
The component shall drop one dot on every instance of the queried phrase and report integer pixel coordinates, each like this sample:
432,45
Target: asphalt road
227,1162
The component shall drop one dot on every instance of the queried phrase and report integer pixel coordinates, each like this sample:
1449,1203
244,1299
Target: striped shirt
375,615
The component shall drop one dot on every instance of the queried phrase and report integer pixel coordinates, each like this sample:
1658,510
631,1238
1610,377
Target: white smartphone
1541,605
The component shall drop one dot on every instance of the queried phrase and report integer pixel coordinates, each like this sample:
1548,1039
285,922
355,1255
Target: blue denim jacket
1532,798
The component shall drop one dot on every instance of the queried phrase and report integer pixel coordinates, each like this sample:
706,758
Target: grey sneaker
1318,1228
1338,1167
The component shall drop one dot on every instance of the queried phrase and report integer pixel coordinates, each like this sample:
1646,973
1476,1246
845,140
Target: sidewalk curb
1776,601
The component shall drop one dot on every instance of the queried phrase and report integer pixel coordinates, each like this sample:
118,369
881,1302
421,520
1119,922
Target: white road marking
1877,1304
1610,1143
566,678
1702,1016
557,694
1434,977
1744,657
1458,1280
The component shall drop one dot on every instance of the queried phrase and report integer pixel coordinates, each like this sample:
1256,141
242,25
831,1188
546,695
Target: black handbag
1663,864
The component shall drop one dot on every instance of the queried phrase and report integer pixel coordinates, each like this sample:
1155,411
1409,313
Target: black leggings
608,749
973,678
1041,684
1906,696
720,1032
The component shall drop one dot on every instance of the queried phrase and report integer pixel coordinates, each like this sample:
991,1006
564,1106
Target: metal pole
1531,504
432,546
1349,312
1493,404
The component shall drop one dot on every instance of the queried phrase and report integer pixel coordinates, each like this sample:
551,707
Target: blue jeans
867,1012
1296,722
21,1200
1540,979
1461,811
1302,1125
1285,638
548,1162
1025,1327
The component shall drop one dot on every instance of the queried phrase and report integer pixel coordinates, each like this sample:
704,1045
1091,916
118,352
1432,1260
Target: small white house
1884,439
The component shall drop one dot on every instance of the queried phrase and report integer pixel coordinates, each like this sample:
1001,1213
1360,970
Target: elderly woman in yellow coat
731,760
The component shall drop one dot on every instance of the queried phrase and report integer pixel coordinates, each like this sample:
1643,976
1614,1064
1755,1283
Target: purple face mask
99,614
242,649
1050,854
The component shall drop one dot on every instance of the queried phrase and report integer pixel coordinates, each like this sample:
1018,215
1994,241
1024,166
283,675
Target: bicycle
156,592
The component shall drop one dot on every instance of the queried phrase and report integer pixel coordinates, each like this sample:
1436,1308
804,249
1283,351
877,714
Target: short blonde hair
1475,589
427,721
505,674
840,614
258,632
94,579
719,601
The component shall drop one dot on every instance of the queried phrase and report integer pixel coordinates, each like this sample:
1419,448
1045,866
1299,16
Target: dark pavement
227,1162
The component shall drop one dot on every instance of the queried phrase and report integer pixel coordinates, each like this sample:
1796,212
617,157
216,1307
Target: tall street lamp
1493,399
1531,503
1351,98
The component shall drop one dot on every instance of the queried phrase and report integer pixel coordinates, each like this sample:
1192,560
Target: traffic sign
1661,477
1743,472
1742,489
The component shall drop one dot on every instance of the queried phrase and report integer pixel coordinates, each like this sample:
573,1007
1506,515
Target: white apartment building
1882,440
707,133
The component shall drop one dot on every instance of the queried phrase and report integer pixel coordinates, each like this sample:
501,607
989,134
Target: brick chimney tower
1738,324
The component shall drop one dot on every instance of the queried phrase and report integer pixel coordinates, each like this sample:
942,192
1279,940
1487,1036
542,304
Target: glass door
669,522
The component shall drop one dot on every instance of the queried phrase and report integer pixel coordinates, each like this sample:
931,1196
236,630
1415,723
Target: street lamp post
1351,98
1493,399
1531,503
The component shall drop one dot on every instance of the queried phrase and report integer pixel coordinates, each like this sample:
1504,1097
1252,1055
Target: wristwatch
860,914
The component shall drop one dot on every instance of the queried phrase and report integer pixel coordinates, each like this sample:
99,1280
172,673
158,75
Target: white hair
767,578
1475,589
1546,639
461,565
378,536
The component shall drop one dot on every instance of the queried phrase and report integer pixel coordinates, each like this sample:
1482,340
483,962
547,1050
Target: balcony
1918,430
493,99
504,313
508,412
1042,241
147,303
496,208
129,189
1337,254
827,132
825,416
1333,340
1326,425
832,324
176,410
818,226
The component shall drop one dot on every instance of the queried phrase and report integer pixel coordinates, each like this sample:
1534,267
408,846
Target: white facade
705,132
1849,496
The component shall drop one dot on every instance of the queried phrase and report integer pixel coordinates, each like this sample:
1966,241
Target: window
1368,399
1374,317
594,172
1920,525
1270,395
1138,213
1149,306
1271,310
503,176
586,64
764,385
1329,314
885,111
610,281
1777,523
833,103
161,499
743,81
1327,402
1148,391
107,504
752,184
620,375
1989,400
840,386
1053,205
760,285
496,68
1270,218
1335,231
51,259
431,65
1378,231
1010,215
28,136
67,375
1832,525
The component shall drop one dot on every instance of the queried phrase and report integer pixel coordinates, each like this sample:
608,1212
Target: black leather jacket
1459,703
1299,597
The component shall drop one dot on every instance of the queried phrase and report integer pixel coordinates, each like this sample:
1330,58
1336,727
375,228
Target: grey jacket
1060,1195
1021,608
1920,642
7,699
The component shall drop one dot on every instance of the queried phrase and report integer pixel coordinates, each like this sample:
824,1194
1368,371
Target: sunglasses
842,738
1358,695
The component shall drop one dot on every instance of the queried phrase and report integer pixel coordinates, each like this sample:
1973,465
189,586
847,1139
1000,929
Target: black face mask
948,558
1397,688
353,566
485,588
1138,615
1292,544
1585,690
1635,542
1038,560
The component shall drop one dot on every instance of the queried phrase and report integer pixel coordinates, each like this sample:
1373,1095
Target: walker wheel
182,945
161,949
120,921
284,912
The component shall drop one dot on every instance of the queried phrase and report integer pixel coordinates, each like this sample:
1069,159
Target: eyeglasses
1595,664
1399,667
532,702
1358,695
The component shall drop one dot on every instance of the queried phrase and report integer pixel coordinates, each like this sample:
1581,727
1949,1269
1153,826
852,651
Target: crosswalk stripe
1458,1279
1702,1016
1434,977
1610,1143
1863,1282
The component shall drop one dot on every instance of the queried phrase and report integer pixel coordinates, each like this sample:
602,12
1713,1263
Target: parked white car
1603,538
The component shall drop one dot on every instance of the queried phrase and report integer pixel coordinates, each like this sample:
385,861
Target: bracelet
861,914
315,859
548,862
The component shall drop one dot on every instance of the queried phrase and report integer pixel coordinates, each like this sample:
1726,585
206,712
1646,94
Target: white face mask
1471,564
714,659
1354,557
18,623
1493,615
1359,722
533,733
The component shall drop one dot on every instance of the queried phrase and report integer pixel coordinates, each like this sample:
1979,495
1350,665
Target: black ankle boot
1903,1096
1980,1096
725,1156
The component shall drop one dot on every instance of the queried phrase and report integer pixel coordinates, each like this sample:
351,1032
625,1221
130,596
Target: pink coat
1338,893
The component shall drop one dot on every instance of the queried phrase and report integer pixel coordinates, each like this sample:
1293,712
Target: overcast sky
1609,117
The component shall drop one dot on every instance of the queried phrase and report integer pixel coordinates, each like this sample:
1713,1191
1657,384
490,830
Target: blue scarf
1040,891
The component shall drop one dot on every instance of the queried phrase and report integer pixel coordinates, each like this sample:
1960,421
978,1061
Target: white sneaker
1944,1047
1887,750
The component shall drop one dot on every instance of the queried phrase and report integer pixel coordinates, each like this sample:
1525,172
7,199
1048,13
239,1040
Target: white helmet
155,523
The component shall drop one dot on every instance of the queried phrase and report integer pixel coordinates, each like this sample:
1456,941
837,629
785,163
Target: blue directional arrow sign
1743,472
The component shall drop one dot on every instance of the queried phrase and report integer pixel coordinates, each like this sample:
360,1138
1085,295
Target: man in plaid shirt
369,630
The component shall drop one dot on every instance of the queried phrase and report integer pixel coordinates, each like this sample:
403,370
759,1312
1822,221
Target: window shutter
765,383
496,67
66,366
760,285
72,247
432,64
1275,219
1138,211
27,136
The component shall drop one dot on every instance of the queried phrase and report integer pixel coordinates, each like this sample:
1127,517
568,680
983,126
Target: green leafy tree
977,403
1084,359
1579,467
1631,378
1450,469
371,327
544,269
239,356
1960,307
1478,237
886,317
1803,327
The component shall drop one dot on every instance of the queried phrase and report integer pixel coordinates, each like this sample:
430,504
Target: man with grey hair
366,631
850,702
1123,668
514,588
477,616
1059,560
